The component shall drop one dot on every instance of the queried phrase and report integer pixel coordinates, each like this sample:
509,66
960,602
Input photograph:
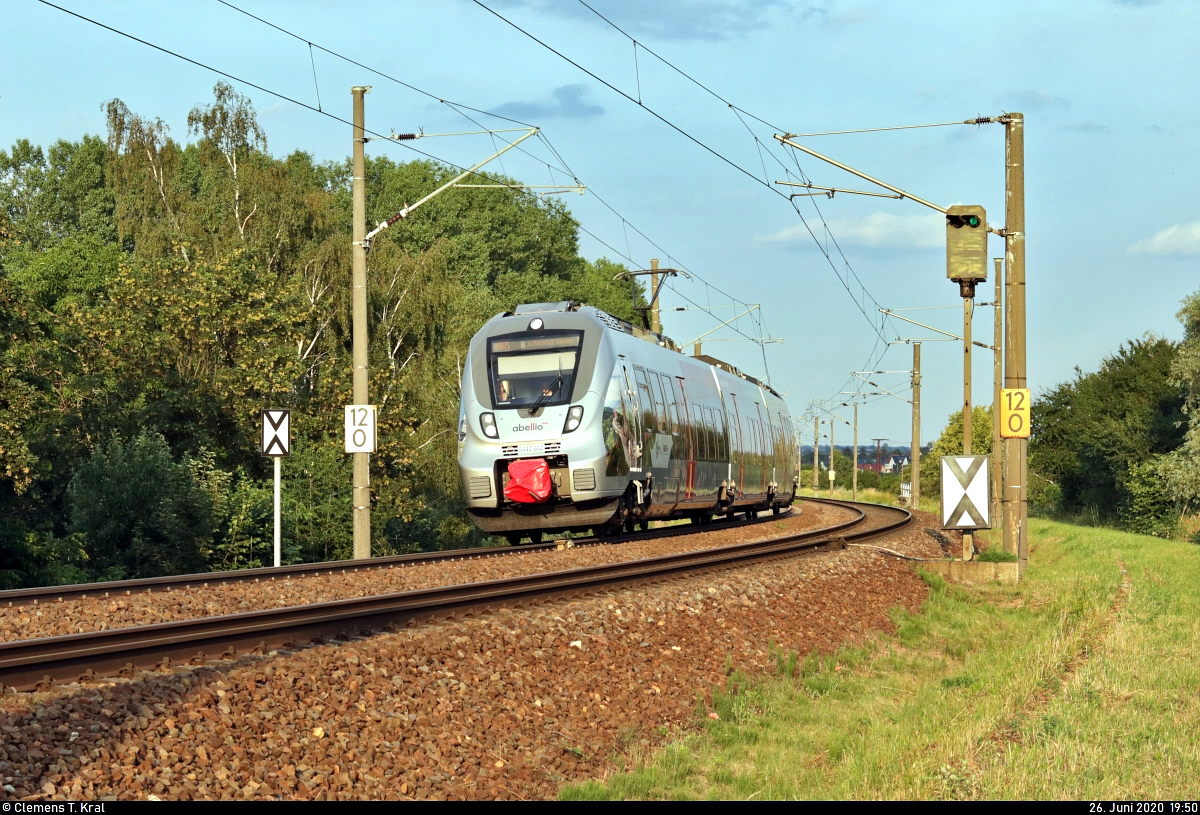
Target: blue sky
1107,89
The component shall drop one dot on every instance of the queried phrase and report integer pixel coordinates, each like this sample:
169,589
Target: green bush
996,555
141,513
1147,507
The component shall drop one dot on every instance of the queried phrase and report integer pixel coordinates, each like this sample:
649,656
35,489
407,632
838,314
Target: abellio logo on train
529,428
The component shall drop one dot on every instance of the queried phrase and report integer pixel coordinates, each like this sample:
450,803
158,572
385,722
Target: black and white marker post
276,443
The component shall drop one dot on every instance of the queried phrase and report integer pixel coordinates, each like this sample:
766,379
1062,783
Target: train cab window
535,368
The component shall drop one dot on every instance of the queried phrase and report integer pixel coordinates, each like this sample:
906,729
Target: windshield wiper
541,400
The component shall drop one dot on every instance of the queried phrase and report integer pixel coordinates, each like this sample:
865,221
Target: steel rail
50,594
38,663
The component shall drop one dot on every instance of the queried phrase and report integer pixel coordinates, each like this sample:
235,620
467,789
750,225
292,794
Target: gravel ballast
507,705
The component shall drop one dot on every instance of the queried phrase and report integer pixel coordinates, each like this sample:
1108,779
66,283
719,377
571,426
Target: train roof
625,327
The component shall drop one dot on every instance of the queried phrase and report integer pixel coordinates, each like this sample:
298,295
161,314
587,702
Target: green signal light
959,221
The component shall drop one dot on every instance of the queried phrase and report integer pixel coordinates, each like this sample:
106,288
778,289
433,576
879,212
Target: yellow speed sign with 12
1014,413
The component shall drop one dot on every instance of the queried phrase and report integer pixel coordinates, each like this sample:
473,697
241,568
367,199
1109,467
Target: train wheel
775,510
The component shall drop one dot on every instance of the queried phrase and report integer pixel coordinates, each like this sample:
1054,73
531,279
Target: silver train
630,429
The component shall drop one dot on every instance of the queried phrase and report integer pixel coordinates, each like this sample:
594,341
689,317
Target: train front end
531,447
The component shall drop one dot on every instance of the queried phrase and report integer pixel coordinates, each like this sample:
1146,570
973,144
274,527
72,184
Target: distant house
890,465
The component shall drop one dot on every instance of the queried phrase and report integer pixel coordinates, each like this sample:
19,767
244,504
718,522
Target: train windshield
534,369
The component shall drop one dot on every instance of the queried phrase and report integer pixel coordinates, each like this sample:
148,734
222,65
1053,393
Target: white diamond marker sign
276,433
965,482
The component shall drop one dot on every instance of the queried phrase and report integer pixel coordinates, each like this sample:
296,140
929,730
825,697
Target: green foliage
141,513
1180,468
1147,507
996,555
1089,434
950,443
156,289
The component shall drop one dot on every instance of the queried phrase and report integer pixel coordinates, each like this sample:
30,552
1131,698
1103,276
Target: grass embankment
1080,683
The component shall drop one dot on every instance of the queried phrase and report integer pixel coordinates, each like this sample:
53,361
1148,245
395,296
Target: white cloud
1181,239
877,230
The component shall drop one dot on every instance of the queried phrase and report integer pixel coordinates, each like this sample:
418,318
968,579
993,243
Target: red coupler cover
528,481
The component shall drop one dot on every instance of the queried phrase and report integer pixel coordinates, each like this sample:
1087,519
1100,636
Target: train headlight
574,417
487,422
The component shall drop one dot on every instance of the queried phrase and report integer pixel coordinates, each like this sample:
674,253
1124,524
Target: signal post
966,264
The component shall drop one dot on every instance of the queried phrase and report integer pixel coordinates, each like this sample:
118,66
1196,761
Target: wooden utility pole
854,485
997,384
1015,465
914,455
832,472
816,452
362,465
655,317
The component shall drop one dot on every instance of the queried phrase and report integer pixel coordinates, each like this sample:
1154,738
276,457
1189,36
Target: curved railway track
49,594
37,663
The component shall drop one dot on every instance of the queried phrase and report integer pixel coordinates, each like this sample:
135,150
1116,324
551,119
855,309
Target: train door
754,453
768,451
737,450
689,435
649,424
633,422
669,446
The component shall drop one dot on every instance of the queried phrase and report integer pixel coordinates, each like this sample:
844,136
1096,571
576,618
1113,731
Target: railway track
30,664
115,588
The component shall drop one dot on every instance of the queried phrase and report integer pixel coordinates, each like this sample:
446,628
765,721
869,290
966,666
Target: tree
159,292
950,443
1089,435
1180,468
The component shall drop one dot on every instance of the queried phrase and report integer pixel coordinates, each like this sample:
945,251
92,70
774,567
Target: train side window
673,400
649,424
710,436
714,422
697,431
660,403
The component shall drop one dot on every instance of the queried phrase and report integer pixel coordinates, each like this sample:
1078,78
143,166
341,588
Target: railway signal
966,246
965,262
276,442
